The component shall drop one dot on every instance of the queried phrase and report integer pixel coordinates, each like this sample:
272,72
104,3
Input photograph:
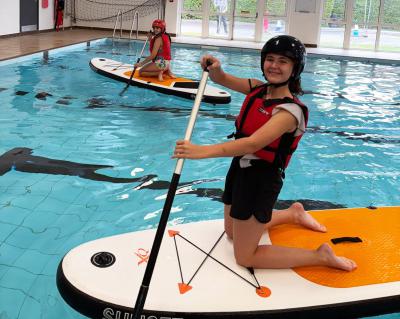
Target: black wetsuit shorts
252,190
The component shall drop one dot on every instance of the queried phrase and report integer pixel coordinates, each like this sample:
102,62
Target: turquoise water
58,115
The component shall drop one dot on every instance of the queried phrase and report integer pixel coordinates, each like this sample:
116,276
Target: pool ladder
119,18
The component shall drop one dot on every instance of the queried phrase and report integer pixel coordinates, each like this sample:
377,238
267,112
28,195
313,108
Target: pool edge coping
215,47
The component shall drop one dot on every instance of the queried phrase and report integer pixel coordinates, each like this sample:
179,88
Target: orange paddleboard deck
196,275
371,237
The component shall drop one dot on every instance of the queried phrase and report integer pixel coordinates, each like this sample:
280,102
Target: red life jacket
165,50
255,112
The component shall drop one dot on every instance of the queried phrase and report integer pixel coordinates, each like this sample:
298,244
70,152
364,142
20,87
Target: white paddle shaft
193,115
141,52
144,287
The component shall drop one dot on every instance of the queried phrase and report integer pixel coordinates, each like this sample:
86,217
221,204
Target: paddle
141,298
134,69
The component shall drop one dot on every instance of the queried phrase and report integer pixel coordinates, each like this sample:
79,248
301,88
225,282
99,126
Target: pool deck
16,46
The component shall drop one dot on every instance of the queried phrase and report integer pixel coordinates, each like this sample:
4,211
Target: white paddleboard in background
101,278
179,87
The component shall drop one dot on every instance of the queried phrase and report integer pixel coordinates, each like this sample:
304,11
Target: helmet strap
277,85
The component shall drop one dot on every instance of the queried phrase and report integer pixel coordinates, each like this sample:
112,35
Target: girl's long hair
295,87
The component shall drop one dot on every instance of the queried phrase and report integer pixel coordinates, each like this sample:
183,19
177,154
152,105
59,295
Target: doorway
244,19
220,19
274,18
233,19
29,15
364,24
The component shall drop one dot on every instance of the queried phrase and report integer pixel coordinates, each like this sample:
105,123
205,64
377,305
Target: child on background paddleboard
270,124
159,61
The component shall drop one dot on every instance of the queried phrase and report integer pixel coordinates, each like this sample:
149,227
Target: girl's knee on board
229,233
242,259
228,229
243,255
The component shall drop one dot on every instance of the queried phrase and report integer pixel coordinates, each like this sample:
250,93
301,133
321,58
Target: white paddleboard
101,278
182,87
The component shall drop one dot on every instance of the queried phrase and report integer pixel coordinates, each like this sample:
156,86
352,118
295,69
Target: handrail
136,15
119,14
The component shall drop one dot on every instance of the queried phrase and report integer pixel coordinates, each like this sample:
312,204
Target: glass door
361,24
220,19
191,18
365,24
274,18
389,37
333,24
244,19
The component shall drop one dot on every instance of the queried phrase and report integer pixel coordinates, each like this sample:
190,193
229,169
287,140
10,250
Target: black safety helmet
287,46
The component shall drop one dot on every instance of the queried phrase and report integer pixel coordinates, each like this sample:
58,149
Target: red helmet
159,24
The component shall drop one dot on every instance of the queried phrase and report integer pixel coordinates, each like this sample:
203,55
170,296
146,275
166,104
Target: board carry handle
134,69
144,288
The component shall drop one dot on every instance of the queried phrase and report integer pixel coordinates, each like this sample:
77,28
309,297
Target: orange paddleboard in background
181,87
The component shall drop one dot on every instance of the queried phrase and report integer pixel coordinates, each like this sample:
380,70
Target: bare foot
331,260
172,76
301,217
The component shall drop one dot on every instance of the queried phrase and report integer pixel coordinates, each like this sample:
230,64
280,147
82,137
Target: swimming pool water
58,116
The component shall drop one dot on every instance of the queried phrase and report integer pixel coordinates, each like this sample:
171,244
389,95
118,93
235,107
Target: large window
348,24
191,17
365,24
251,20
333,24
244,20
274,18
220,16
390,29
361,24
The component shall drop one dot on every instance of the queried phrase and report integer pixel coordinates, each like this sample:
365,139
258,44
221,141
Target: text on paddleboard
109,313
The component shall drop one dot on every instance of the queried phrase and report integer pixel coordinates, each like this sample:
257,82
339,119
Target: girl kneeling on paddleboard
270,124
159,61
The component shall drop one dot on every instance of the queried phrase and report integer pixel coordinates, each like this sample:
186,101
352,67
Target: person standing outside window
222,7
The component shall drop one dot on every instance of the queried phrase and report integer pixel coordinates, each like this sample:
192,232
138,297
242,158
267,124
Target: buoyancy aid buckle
261,162
236,135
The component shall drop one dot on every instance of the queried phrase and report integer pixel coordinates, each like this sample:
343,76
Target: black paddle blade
124,89
129,81
134,69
